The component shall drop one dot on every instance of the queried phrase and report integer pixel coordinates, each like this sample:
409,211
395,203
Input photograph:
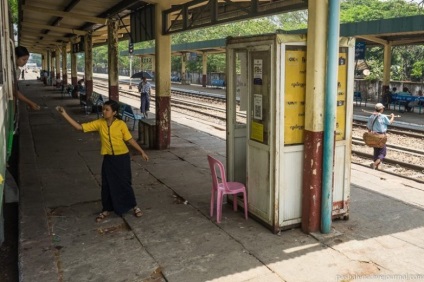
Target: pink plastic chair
221,187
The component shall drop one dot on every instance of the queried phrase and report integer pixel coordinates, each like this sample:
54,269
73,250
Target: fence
371,90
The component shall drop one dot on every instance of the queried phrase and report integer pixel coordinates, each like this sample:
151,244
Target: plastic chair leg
212,202
235,202
245,204
219,207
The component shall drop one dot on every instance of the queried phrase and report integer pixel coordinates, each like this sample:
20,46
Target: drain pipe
330,114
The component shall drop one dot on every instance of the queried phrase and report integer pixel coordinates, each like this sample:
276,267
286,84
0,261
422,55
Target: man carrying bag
144,88
377,125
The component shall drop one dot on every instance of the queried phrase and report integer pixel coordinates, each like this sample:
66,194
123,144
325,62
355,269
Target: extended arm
27,101
392,118
138,148
71,121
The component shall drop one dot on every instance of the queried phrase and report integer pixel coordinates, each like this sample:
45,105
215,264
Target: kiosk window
240,78
294,94
341,94
260,81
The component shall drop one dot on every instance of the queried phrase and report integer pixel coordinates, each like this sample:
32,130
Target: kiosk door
237,101
259,165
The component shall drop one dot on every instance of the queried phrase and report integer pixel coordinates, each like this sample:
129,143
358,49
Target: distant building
31,66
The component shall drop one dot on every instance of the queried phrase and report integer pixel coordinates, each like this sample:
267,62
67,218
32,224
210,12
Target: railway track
392,165
213,109
394,129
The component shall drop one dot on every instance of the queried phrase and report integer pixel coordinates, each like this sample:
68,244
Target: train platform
176,239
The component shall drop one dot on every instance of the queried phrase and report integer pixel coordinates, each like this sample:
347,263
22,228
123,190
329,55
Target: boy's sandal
102,216
137,212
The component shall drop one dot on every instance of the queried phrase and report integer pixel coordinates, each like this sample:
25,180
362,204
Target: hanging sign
360,50
257,71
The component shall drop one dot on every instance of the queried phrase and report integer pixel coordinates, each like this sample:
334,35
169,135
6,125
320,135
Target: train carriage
8,122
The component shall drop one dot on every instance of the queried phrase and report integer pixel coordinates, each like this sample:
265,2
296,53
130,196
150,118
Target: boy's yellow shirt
112,138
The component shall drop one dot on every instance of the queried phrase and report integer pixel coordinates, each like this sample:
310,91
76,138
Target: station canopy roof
394,31
48,24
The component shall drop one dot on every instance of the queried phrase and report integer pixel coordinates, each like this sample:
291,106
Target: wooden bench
81,94
147,132
403,100
67,90
96,101
128,113
218,83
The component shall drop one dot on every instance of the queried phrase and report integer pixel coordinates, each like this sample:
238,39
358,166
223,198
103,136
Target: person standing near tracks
22,56
117,193
378,123
144,87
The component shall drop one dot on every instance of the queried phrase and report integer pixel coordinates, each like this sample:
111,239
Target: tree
403,57
367,10
216,63
291,20
13,4
418,71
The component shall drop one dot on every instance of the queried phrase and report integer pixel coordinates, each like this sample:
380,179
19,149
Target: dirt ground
9,248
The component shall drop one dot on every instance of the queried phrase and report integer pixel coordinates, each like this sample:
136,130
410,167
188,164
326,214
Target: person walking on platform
378,123
117,193
144,88
22,56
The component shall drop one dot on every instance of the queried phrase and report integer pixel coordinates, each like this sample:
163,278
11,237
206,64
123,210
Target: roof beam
374,39
38,45
96,20
408,42
43,41
100,32
55,28
36,35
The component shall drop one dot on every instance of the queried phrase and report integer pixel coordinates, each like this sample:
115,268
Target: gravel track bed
398,140
393,139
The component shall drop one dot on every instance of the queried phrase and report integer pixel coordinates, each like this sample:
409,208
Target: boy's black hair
21,51
115,107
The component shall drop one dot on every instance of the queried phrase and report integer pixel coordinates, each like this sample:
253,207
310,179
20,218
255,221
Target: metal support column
314,112
163,85
387,65
64,65
204,68
330,115
113,59
58,54
88,74
74,75
184,79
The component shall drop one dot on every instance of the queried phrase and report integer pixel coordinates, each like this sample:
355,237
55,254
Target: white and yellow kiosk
266,77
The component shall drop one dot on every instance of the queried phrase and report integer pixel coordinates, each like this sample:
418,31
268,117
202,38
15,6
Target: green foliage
407,61
376,69
35,58
13,4
216,63
403,57
367,10
100,56
291,20
417,73
248,27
